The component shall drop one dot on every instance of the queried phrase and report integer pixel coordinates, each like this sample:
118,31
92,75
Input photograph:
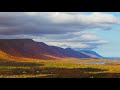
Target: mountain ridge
29,48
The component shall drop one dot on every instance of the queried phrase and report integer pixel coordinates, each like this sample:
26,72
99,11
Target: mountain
90,53
24,48
68,53
30,49
73,53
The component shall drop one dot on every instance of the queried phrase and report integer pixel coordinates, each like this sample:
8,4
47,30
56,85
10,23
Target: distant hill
30,49
91,53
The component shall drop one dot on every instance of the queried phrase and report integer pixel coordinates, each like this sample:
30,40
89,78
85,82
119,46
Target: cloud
57,28
81,40
52,22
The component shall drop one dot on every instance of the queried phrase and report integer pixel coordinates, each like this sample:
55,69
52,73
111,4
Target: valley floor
68,68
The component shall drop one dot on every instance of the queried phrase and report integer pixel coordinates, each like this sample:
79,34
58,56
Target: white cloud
83,40
89,37
96,19
69,44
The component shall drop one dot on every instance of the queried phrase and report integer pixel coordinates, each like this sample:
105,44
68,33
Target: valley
25,58
67,68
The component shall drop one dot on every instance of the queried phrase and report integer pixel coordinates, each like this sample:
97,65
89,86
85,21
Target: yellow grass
14,67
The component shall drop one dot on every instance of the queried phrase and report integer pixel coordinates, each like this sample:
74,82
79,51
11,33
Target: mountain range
28,48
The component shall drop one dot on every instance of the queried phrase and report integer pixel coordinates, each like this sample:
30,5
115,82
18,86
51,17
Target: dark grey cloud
55,27
47,23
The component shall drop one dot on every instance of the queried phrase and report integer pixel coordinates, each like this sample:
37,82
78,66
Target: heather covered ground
67,68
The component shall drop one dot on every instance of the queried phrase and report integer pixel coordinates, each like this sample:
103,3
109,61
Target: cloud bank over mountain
66,29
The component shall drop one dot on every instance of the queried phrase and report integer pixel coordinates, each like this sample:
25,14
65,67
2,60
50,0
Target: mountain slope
90,53
73,53
30,49
23,48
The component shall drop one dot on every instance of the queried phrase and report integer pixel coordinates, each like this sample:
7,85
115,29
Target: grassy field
67,68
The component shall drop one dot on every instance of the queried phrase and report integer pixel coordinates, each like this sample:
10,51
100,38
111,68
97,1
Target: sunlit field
67,68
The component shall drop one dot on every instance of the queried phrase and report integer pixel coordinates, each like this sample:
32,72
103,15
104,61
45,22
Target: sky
97,31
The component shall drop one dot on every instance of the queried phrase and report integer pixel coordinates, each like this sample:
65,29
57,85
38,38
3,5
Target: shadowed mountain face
31,49
24,48
90,53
